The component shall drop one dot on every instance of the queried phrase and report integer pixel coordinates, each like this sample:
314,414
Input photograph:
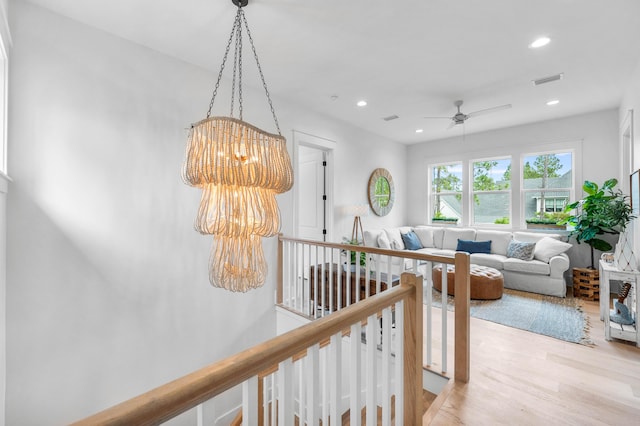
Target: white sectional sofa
544,274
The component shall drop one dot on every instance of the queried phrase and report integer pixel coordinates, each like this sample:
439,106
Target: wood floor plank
523,378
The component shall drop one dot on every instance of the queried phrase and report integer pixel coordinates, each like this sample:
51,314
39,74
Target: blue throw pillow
474,246
411,241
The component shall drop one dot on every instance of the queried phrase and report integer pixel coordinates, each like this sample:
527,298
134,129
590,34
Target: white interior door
312,197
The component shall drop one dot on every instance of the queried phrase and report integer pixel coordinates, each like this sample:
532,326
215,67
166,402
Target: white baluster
335,363
312,379
399,352
386,367
445,293
355,374
285,393
250,401
371,368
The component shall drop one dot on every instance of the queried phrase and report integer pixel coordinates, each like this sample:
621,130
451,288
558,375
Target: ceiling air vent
391,117
548,79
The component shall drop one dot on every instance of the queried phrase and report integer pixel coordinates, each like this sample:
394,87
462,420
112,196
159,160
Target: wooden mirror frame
374,202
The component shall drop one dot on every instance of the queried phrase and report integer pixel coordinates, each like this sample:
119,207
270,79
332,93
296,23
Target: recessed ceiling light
419,130
539,42
553,102
362,103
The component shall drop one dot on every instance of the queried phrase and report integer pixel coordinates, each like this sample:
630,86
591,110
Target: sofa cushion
491,260
452,235
425,235
534,237
383,241
499,240
371,237
411,241
527,266
521,250
395,238
474,246
547,247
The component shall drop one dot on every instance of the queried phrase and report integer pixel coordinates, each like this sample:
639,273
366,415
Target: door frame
322,144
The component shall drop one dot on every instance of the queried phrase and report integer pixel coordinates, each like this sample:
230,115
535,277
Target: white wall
107,288
4,181
631,101
4,186
596,133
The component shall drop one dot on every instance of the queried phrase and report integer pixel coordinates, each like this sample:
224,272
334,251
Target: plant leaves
599,244
590,187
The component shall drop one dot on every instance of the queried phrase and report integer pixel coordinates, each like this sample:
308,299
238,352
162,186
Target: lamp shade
357,210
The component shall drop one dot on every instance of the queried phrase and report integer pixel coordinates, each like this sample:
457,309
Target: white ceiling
411,58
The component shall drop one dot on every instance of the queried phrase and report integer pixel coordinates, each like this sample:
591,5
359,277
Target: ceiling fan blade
448,118
453,124
488,110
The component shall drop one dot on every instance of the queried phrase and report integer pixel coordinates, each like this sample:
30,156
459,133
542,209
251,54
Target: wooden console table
609,271
362,287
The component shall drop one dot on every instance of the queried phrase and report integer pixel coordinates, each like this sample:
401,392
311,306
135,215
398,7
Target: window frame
431,194
523,191
473,192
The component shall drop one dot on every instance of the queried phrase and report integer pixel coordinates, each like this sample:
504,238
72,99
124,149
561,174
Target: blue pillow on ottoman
411,241
474,246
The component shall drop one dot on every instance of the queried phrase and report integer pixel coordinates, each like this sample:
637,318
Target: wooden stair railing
318,252
169,400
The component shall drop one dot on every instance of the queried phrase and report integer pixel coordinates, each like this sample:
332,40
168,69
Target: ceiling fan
460,117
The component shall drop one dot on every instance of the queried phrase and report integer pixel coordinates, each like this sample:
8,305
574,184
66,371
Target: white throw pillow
499,240
451,237
383,241
425,235
395,239
548,247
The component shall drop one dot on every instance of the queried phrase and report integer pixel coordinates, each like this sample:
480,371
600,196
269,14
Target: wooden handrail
178,396
406,254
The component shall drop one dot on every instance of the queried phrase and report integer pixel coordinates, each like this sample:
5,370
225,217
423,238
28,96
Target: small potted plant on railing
363,255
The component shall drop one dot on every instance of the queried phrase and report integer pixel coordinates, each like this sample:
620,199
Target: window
491,191
547,185
446,192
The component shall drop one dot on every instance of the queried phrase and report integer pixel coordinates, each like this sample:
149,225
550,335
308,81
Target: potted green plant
602,211
547,221
363,255
442,219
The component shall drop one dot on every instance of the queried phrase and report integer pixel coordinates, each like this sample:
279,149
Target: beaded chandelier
240,169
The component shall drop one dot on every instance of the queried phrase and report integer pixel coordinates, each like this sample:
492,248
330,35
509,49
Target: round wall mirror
381,192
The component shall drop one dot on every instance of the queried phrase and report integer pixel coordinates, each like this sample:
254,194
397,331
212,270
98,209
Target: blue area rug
561,318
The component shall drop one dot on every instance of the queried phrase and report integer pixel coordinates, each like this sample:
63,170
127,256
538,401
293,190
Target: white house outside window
547,185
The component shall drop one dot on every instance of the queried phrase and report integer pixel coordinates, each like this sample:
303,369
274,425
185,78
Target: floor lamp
357,212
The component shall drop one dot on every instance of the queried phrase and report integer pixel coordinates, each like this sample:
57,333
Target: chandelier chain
240,69
224,61
238,47
264,83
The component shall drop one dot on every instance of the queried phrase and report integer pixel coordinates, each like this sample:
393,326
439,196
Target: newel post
462,324
413,350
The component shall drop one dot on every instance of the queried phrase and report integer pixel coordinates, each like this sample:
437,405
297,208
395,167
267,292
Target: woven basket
586,284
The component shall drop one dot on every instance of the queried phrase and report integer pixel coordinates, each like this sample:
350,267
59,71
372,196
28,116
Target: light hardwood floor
522,378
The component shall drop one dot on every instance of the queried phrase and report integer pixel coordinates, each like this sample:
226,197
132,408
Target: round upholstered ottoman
486,283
